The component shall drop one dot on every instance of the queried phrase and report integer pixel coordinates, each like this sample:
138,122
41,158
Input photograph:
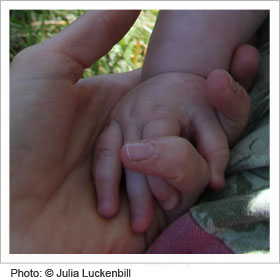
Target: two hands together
56,119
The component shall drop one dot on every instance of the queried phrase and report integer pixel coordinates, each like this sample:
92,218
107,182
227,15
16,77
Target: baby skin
210,113
180,96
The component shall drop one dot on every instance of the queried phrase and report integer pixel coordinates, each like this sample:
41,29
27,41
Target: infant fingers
212,144
244,64
165,194
231,101
139,194
107,169
141,201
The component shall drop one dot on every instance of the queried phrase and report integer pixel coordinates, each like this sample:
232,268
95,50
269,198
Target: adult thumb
172,158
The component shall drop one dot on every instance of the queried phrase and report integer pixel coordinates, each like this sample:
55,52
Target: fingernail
171,203
104,207
234,85
140,151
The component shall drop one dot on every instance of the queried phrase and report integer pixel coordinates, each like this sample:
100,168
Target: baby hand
170,104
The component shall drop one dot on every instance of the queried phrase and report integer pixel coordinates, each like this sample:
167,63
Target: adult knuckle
24,56
111,25
157,108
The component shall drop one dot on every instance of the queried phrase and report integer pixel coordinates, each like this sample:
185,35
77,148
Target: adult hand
55,120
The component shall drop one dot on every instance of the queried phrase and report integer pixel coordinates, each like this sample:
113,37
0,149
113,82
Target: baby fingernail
104,208
234,85
170,204
140,151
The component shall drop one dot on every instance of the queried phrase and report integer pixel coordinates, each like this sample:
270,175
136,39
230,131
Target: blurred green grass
29,27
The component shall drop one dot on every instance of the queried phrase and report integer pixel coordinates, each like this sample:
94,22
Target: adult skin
55,120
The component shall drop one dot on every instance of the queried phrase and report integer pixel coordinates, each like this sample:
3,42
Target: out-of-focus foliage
28,27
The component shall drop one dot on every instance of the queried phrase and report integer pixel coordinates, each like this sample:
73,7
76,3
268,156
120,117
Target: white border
273,6
95,5
274,129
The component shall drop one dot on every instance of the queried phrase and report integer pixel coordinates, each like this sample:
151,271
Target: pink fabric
185,236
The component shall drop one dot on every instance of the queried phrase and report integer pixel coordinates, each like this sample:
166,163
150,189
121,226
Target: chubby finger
139,194
141,201
212,144
244,64
107,169
172,158
231,101
166,195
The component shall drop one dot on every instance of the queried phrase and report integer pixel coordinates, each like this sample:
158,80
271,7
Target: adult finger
93,34
66,54
184,168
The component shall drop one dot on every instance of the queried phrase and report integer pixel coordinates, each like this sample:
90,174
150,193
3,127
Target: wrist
173,75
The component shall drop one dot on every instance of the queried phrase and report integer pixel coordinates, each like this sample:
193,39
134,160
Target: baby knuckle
163,197
103,178
177,178
120,115
103,150
221,153
137,196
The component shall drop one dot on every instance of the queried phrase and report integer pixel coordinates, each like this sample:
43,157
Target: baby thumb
231,101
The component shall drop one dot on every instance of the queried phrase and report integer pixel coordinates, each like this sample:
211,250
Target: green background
29,27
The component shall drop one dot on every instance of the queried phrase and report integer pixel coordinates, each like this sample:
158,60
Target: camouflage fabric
239,214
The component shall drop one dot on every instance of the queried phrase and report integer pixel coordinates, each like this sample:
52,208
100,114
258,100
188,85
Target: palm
55,121
54,124
57,130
